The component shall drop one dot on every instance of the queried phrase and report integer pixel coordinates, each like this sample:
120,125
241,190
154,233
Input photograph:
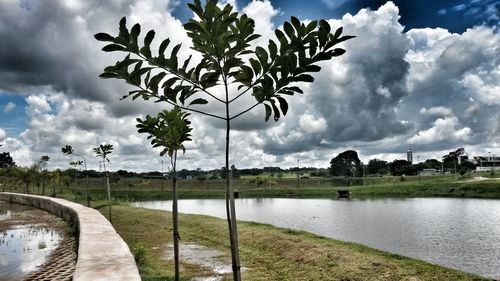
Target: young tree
42,167
223,37
169,130
68,150
103,151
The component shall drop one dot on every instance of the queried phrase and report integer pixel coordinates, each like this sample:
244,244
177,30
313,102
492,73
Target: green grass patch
268,253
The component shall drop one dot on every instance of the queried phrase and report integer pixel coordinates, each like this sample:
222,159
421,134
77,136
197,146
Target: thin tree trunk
175,218
109,196
87,190
230,209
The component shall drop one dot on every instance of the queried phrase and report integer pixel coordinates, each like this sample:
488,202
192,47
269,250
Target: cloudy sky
419,73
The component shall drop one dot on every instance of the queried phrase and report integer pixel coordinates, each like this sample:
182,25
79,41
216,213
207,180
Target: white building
487,163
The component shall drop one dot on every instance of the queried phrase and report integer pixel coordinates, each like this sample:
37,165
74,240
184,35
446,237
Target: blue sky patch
13,113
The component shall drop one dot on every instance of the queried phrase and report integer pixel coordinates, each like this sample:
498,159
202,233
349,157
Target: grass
137,189
268,253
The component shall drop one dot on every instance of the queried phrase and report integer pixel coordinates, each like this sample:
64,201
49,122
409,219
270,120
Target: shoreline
269,252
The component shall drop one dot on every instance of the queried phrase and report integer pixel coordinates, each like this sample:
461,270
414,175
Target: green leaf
198,101
296,23
113,48
170,82
337,52
107,75
262,56
175,50
338,32
295,89
135,31
323,24
312,68
279,34
289,30
196,9
252,37
311,26
104,37
163,46
276,111
149,37
268,111
283,105
256,66
273,49
303,78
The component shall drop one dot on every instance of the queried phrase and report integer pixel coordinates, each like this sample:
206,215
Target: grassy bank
268,253
137,189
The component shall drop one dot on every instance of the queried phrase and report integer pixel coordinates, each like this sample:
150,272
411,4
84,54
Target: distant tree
183,174
41,165
102,151
169,130
346,164
450,160
6,160
376,166
432,164
402,167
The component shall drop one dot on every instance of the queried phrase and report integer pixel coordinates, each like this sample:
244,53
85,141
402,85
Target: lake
458,233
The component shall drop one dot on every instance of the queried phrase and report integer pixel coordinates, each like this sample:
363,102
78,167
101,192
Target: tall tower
409,155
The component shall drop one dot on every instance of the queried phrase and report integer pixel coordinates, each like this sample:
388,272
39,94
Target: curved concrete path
102,253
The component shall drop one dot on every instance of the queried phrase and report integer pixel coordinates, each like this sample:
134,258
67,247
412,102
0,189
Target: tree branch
185,108
244,111
180,77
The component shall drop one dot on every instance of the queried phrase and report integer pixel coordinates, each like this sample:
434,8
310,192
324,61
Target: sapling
223,38
169,130
68,150
103,151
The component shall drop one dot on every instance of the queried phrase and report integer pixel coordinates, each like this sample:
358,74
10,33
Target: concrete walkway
102,253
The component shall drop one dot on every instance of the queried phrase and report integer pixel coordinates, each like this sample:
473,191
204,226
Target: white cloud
9,107
312,125
437,111
427,86
444,129
3,134
262,13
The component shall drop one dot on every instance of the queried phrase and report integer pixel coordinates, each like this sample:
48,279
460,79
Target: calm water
457,233
24,244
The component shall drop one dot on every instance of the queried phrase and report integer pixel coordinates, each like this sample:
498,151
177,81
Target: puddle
27,238
205,257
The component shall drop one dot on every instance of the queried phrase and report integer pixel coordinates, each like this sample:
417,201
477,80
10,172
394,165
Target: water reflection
24,244
457,233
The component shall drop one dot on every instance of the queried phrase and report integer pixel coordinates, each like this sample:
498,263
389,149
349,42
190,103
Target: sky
420,74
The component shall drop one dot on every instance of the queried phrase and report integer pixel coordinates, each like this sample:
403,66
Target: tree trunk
109,196
87,191
175,218
230,208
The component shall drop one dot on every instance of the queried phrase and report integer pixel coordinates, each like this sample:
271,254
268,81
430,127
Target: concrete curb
102,253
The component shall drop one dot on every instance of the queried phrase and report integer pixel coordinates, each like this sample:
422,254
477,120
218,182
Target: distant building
487,163
409,155
427,172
